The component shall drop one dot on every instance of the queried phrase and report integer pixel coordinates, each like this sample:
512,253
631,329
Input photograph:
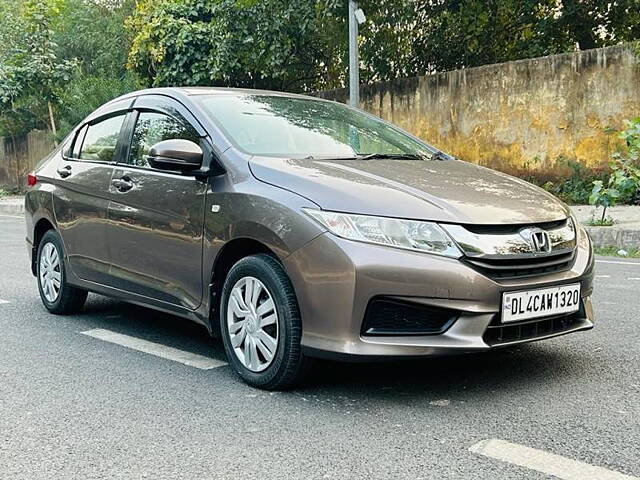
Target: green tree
303,45
92,31
468,33
248,43
596,23
32,72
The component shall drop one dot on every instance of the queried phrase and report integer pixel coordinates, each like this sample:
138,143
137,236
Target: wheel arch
42,226
230,253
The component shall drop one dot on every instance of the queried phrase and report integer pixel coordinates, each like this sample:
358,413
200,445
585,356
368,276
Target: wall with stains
525,117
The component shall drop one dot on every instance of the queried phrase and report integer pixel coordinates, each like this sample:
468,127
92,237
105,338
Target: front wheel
261,325
57,295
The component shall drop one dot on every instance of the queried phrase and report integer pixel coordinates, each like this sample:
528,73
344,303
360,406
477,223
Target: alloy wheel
50,273
252,323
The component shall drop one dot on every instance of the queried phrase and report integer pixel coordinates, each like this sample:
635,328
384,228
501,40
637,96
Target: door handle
123,184
65,171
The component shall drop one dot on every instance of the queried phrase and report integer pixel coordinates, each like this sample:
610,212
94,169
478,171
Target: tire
56,294
248,353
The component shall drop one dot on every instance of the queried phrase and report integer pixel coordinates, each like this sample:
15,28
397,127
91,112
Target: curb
614,236
12,207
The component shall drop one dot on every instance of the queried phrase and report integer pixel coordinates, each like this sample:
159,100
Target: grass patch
612,251
8,192
601,222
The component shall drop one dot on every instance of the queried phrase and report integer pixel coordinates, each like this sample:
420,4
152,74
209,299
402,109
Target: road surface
124,392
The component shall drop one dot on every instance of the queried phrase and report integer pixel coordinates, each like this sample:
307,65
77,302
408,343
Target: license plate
543,302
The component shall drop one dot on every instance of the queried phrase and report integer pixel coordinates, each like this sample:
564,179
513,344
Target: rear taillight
32,179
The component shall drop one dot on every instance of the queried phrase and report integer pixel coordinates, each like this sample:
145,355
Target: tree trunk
16,162
52,122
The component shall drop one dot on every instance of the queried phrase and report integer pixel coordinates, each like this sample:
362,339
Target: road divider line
637,264
544,462
3,301
603,276
157,349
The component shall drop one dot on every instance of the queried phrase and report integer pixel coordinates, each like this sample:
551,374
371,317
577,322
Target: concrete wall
19,155
521,117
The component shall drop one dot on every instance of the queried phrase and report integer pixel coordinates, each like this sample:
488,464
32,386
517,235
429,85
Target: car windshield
273,125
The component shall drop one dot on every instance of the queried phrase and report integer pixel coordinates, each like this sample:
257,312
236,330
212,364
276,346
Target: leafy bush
8,191
624,181
575,189
631,136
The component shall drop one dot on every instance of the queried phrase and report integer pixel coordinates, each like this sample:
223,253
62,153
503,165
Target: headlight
408,234
582,237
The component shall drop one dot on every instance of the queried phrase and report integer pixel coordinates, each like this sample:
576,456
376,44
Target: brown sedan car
294,228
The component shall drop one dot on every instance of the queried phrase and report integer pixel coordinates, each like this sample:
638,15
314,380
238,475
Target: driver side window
151,128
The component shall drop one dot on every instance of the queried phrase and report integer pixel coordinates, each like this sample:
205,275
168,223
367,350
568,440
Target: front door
156,218
82,196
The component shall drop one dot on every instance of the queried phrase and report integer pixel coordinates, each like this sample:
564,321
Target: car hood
451,191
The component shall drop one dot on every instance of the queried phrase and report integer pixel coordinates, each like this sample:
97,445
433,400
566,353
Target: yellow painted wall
520,117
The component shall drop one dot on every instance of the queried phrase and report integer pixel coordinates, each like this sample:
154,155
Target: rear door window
101,138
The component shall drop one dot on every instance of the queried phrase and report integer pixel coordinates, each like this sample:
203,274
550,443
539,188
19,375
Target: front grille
511,228
505,267
499,334
508,251
385,316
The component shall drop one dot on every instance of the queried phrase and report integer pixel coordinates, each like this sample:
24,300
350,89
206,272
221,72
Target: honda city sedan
295,228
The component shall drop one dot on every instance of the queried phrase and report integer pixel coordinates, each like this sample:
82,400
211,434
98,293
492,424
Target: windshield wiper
439,155
379,156
373,156
391,156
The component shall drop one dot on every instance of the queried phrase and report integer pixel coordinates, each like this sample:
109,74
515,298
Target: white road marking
633,278
637,264
157,349
3,301
12,216
603,276
544,462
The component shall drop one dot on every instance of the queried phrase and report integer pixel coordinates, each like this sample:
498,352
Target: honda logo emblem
537,238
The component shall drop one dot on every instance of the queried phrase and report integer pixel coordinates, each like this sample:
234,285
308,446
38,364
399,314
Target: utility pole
356,16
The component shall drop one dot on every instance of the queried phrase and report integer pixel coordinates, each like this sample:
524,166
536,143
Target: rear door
156,217
82,194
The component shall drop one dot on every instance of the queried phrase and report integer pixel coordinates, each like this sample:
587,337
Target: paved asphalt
72,406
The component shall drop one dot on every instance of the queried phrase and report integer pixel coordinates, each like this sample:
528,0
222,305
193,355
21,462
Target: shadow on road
532,367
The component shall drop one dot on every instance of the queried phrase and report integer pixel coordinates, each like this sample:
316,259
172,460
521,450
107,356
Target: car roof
234,91
194,91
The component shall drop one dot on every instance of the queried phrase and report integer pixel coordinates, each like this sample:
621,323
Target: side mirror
178,154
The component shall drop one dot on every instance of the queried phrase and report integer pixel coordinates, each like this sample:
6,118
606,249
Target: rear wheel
57,295
261,325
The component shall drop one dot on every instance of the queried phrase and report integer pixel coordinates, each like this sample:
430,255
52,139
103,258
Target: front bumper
335,279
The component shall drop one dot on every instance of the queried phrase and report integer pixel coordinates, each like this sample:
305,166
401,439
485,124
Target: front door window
152,128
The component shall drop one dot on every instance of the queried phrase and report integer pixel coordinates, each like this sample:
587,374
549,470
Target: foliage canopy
55,55
302,46
250,43
60,59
